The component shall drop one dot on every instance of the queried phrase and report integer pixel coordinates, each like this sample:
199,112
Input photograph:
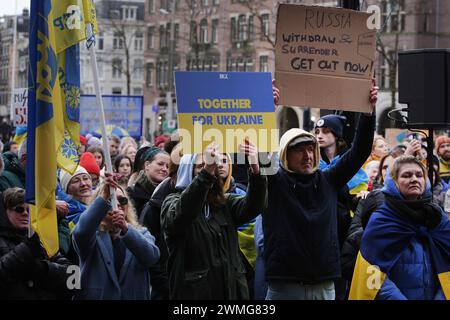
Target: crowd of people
193,226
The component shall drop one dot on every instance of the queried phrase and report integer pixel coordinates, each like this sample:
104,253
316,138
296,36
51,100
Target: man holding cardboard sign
301,247
324,57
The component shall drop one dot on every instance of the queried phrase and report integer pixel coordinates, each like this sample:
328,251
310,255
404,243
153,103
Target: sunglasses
20,209
123,201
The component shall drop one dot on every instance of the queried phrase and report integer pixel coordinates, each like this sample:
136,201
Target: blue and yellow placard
226,108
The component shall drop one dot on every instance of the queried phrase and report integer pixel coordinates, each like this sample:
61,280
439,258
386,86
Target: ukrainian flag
56,28
357,183
384,240
20,135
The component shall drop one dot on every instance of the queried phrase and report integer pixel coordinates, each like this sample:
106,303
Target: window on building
149,75
242,28
393,15
193,33
150,37
264,64
216,2
117,91
151,6
204,31
250,28
215,31
233,31
162,37
129,13
205,3
99,38
117,68
137,91
138,69
117,40
177,34
264,26
385,71
138,41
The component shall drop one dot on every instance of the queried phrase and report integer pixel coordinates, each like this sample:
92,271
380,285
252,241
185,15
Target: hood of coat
185,169
12,164
291,135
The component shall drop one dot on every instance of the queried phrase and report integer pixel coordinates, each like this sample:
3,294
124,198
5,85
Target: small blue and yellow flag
56,28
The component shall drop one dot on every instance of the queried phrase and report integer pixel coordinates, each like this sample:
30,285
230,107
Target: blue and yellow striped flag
56,28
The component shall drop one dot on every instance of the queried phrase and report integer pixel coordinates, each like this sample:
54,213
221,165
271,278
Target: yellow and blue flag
20,135
56,28
384,240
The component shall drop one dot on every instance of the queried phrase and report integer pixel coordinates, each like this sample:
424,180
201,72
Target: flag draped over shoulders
384,240
56,28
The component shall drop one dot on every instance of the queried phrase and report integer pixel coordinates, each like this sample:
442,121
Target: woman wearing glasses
25,270
115,251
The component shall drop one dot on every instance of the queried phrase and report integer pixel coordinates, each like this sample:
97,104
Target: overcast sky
8,7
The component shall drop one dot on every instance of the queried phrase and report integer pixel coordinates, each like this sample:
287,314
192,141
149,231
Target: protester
200,228
76,190
442,147
301,245
126,141
83,144
160,141
89,162
407,239
114,142
151,219
11,146
156,162
380,148
122,165
130,151
115,251
99,156
25,270
14,172
138,165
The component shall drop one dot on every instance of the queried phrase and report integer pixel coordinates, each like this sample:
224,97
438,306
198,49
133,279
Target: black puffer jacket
351,244
151,219
141,192
24,271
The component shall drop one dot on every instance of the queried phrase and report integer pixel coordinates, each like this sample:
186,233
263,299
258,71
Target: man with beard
200,228
443,151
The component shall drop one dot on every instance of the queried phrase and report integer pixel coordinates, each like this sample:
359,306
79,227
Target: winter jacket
299,224
411,252
141,192
204,256
151,219
351,244
14,173
25,273
99,279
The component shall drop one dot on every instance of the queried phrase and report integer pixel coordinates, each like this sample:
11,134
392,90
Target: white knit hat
65,177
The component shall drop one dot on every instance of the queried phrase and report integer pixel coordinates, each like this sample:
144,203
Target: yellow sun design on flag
73,96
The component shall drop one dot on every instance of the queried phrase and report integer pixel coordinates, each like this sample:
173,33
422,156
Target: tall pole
99,100
13,76
170,111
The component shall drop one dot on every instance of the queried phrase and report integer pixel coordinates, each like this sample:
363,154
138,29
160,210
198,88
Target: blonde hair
130,214
375,139
398,162
125,149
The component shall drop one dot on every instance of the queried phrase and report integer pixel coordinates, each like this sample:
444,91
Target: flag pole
90,44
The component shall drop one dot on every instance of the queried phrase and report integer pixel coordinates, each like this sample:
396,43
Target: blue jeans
285,290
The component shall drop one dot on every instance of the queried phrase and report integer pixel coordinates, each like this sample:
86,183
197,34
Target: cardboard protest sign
324,57
20,104
226,108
